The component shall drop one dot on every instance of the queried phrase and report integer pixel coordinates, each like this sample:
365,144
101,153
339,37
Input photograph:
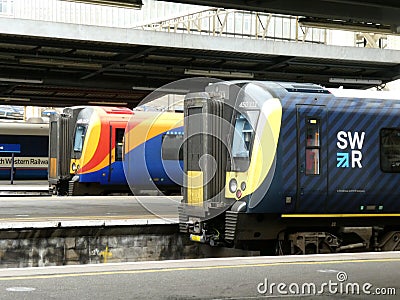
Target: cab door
116,171
312,183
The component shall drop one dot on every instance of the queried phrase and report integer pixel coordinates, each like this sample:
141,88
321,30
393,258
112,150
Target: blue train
295,168
88,156
31,162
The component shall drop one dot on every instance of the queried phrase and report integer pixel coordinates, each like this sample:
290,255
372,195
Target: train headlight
233,185
74,168
243,186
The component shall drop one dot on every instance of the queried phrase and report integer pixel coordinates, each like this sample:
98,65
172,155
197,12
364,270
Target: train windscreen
79,139
242,141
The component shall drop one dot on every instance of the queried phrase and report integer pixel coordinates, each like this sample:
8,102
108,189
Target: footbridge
55,63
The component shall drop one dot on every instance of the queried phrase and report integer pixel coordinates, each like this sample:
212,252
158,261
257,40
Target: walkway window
171,148
119,137
313,146
6,7
390,150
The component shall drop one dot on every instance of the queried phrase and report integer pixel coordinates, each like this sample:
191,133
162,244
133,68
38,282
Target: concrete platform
24,188
54,230
86,211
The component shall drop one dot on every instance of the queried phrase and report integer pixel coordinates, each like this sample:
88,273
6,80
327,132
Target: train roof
24,128
364,94
116,110
104,113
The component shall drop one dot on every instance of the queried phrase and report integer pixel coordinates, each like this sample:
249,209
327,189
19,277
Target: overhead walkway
267,26
59,64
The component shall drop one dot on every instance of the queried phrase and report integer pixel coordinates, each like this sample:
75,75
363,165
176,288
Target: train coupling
211,239
198,238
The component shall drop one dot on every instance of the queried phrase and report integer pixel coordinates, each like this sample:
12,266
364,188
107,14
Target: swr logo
354,157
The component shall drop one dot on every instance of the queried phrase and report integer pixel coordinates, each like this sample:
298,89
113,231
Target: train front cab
224,160
96,158
61,131
86,151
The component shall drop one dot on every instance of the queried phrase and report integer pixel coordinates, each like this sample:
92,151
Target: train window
312,161
194,143
171,148
313,133
312,146
390,150
242,137
80,132
242,140
53,140
119,137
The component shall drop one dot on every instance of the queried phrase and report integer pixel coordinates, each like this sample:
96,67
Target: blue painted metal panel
10,148
351,186
145,168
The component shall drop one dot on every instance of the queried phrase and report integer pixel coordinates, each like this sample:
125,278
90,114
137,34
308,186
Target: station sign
10,148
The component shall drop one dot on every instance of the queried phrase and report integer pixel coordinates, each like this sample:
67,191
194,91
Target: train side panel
332,158
358,182
151,151
31,163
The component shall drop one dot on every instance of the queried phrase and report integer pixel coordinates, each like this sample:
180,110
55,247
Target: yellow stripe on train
145,130
337,215
195,188
264,149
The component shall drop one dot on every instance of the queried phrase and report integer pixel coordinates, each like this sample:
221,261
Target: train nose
262,168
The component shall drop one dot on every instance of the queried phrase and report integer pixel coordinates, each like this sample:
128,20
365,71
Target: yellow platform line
337,215
177,269
128,217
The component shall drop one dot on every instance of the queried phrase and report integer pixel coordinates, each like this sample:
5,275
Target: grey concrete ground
23,188
350,276
39,212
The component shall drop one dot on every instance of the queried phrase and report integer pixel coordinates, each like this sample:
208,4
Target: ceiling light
161,90
21,80
118,3
219,73
355,81
108,103
7,99
61,63
343,25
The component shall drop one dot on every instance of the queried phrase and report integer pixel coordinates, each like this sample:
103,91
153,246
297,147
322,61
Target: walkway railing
241,24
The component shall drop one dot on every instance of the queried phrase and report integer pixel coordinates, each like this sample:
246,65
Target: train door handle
301,191
302,168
